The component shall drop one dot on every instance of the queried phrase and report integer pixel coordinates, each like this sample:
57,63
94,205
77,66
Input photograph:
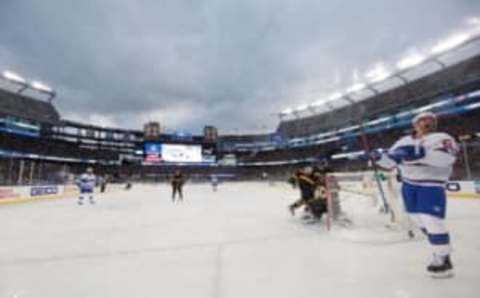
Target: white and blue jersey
86,183
423,161
214,180
425,164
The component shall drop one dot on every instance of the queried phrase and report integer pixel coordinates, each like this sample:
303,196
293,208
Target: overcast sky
187,63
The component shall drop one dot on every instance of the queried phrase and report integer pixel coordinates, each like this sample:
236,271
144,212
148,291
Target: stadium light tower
355,88
339,95
377,74
285,113
322,102
410,61
16,79
300,109
450,43
40,87
413,60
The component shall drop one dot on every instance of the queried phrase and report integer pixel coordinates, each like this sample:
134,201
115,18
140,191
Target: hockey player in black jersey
312,192
177,181
302,179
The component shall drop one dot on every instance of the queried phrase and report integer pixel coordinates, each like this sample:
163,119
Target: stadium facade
37,145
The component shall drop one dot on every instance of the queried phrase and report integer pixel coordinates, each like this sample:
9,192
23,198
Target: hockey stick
376,175
366,148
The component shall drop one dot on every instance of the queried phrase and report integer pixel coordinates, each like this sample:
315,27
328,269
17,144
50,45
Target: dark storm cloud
228,63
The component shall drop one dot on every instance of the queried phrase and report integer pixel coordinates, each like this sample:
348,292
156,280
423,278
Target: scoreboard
155,152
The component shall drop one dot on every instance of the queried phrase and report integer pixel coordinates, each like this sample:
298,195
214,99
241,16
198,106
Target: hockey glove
407,153
375,155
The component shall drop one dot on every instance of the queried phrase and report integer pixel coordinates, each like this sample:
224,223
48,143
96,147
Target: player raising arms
425,160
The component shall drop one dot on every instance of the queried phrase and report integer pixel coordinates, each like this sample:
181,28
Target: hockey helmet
424,115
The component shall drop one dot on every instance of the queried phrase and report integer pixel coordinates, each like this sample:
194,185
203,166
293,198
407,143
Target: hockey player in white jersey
425,160
214,182
86,184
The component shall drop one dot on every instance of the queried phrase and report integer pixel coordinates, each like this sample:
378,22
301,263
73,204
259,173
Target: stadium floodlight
319,102
450,43
286,112
41,87
16,79
355,88
301,108
410,61
335,96
13,77
377,74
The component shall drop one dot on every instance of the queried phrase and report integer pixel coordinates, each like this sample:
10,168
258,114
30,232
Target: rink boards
455,189
21,194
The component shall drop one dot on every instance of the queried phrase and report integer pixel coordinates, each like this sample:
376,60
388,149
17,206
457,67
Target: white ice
237,242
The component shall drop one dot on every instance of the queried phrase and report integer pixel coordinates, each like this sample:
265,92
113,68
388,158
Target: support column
467,162
20,172
32,171
10,171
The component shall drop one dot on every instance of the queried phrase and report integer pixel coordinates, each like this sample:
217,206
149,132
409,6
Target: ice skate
441,267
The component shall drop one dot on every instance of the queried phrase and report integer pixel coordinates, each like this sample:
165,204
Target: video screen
157,152
152,152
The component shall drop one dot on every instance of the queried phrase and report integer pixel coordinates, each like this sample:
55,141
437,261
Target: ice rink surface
236,243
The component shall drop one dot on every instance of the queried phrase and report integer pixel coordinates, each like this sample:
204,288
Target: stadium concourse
237,242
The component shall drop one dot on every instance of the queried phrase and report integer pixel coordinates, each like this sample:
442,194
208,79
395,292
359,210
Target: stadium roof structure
23,84
451,51
18,105
454,80
70,123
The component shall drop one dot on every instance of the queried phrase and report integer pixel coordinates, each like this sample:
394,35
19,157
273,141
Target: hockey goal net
365,206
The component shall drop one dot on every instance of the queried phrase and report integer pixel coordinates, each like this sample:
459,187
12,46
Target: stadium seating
82,144
462,77
27,108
